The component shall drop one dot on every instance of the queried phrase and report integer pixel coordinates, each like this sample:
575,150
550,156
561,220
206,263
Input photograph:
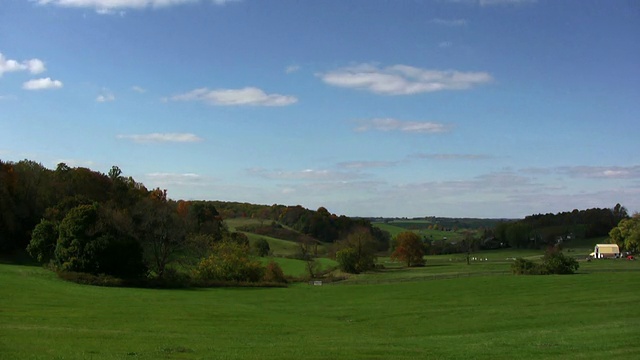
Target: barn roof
608,248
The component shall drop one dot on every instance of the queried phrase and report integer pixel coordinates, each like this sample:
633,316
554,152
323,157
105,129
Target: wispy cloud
7,97
42,84
306,174
390,124
451,156
248,96
106,96
107,7
161,138
138,89
33,66
449,22
164,178
291,69
403,79
601,172
360,165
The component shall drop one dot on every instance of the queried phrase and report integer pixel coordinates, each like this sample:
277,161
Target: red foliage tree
409,248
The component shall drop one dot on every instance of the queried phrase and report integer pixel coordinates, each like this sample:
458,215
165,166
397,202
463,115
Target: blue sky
462,108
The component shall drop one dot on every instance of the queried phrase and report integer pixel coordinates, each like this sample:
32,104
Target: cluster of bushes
228,264
553,262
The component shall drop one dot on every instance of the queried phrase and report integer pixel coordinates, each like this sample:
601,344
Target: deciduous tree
43,241
356,253
409,248
89,242
161,230
627,234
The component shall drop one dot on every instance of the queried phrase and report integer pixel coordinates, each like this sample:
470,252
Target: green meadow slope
584,316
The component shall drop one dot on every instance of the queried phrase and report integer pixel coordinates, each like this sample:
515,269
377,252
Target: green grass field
395,228
585,316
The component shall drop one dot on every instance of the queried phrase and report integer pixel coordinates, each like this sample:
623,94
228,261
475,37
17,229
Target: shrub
348,260
229,261
526,267
555,262
273,273
91,279
262,247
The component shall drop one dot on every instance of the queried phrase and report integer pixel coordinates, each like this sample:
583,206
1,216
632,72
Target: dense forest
541,230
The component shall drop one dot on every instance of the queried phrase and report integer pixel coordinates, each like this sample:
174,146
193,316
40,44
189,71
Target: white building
606,251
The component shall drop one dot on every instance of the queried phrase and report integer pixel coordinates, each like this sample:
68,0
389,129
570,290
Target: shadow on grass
19,257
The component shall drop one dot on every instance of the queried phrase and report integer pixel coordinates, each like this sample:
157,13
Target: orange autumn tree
409,249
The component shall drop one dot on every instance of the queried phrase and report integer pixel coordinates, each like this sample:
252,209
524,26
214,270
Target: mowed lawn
584,316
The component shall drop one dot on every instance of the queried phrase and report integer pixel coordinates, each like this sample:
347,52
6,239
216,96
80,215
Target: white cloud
403,79
34,66
389,124
451,156
601,172
110,6
161,137
138,89
42,84
248,96
163,179
306,174
172,176
358,165
291,69
106,97
104,11
449,22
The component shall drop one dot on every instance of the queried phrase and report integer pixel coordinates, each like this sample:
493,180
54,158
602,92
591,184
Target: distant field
295,267
395,228
279,247
483,317
486,263
233,223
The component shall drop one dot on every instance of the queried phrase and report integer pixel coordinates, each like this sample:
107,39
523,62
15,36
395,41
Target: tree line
79,220
543,230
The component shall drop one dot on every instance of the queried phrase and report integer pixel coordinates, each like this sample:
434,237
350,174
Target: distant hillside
445,223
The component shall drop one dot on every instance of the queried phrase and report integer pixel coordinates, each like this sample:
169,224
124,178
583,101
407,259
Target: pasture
421,228
585,316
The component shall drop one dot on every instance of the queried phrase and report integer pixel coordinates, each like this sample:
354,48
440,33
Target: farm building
606,251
